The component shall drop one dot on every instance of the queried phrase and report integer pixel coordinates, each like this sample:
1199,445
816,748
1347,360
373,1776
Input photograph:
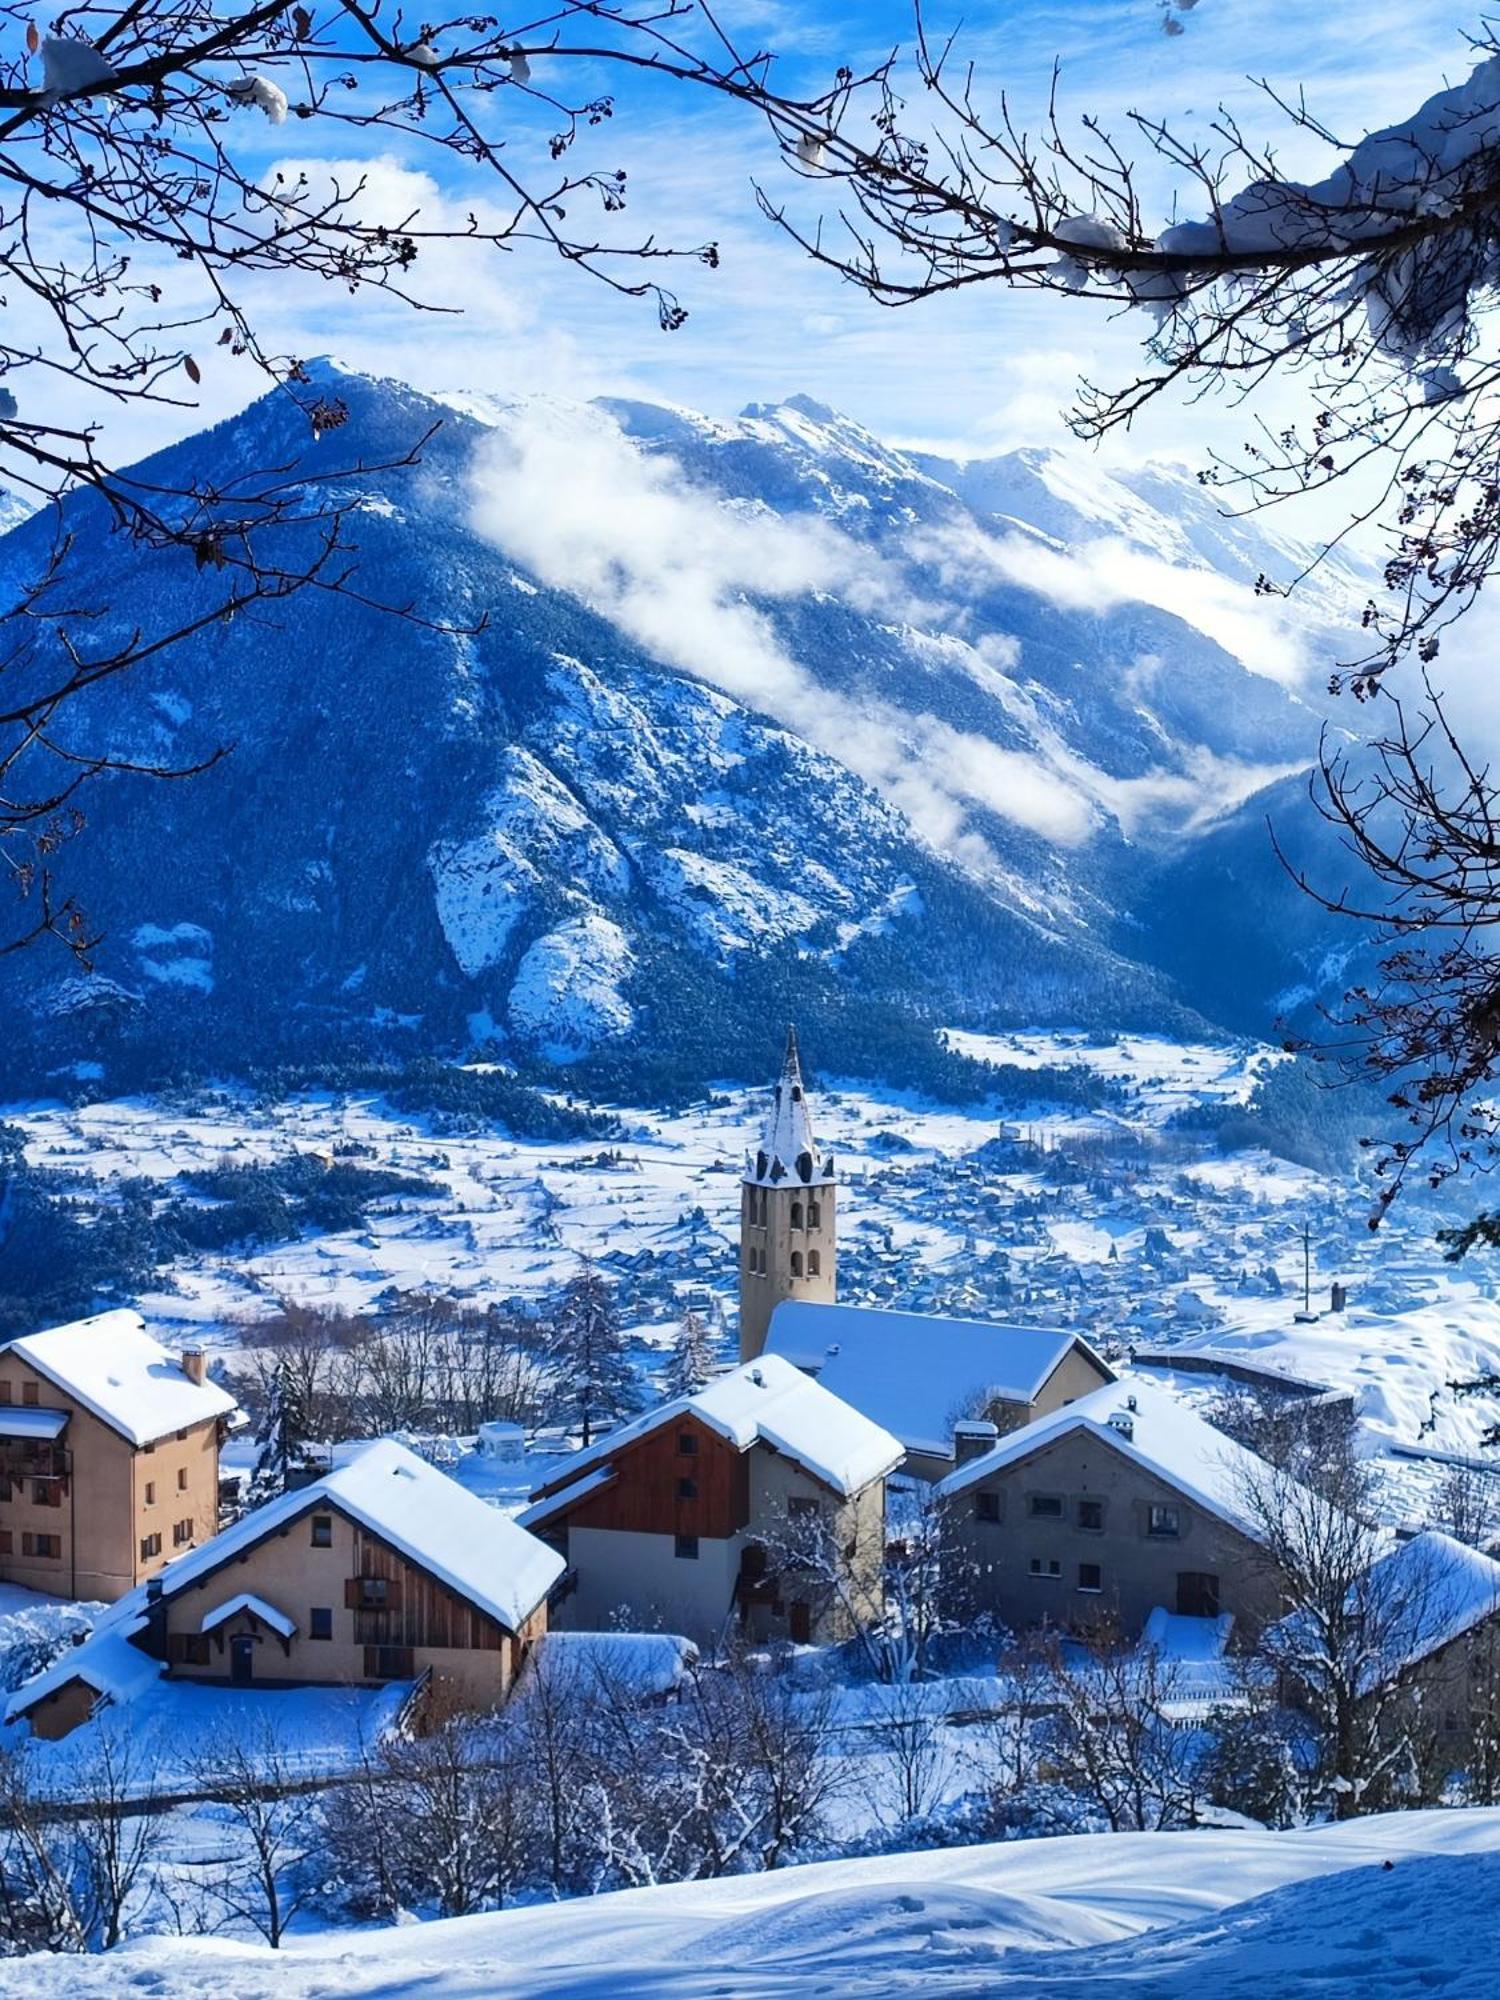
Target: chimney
194,1365
972,1438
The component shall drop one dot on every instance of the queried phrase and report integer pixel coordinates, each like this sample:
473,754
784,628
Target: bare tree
1466,1505
1111,1740
256,1778
917,1761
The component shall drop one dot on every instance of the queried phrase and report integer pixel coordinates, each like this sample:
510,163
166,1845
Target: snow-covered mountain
701,722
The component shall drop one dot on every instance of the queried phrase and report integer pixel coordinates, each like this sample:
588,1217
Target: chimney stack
972,1438
194,1366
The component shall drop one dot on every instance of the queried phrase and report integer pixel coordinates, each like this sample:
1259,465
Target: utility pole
1307,1315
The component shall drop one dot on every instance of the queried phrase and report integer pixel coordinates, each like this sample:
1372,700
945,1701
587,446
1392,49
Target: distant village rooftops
788,1151
761,1402
917,1373
112,1367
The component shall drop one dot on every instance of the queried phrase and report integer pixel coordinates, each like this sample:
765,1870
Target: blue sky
978,373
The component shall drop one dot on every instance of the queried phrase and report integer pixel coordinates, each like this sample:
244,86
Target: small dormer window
761,1163
804,1166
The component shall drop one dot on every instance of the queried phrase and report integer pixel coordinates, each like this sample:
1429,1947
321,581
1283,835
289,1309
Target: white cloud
569,495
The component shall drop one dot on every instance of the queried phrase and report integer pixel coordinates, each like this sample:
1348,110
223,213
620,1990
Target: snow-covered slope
727,719
1391,1906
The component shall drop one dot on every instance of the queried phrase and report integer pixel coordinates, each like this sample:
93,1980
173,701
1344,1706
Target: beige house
384,1570
109,1456
759,1502
922,1376
1116,1504
788,1212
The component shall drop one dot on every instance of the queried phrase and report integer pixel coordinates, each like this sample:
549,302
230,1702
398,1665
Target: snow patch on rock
566,994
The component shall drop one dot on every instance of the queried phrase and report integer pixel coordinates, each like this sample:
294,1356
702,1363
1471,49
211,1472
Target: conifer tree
281,1444
596,1383
690,1367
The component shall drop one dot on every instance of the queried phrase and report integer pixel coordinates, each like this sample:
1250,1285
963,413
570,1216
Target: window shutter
351,1593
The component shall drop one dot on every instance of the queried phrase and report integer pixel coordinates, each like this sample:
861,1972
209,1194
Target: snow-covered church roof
788,1150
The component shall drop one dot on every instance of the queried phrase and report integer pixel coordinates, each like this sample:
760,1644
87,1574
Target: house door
242,1659
799,1620
1197,1594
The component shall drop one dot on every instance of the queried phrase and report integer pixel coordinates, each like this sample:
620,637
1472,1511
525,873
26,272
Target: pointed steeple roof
788,1146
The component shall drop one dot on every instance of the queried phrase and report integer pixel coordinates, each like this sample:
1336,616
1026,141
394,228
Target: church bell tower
788,1244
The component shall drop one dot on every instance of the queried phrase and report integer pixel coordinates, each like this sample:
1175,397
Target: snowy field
1393,1906
1165,1245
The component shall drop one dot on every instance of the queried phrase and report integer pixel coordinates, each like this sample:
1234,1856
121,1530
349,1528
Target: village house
1122,1502
109,1456
383,1570
760,1500
920,1375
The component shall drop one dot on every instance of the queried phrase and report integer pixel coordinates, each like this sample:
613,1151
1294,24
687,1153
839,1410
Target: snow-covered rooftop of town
106,1661
766,1401
638,1664
788,1146
1428,1592
1164,1436
113,1367
477,1552
913,1372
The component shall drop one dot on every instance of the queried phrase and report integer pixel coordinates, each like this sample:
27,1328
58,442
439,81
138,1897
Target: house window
687,1489
46,1492
1044,1506
374,1593
4,1391
814,1264
1090,1577
796,1263
150,1547
389,1663
1045,1566
320,1622
49,1546
687,1548
7,1542
1091,1516
182,1531
986,1506
150,1492
322,1531
1164,1522
687,1444
801,1507
190,1649
814,1215
182,1479
28,1394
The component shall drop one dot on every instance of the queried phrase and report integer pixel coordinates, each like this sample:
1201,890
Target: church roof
788,1150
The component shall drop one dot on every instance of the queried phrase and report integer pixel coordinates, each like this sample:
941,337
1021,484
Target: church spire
788,1241
788,1148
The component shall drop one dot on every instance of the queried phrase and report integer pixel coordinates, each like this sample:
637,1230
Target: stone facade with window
1079,1531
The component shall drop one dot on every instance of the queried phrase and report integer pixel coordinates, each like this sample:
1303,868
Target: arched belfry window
814,1264
796,1215
815,1215
765,1206
796,1263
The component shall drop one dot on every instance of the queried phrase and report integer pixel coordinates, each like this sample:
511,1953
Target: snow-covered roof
559,1503
641,1664
428,1517
246,1600
1426,1593
1164,1436
112,1366
31,1423
106,1661
916,1372
761,1402
788,1150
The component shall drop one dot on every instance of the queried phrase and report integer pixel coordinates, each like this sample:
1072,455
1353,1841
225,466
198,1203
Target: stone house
1104,1510
384,1570
921,1374
109,1456
758,1502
